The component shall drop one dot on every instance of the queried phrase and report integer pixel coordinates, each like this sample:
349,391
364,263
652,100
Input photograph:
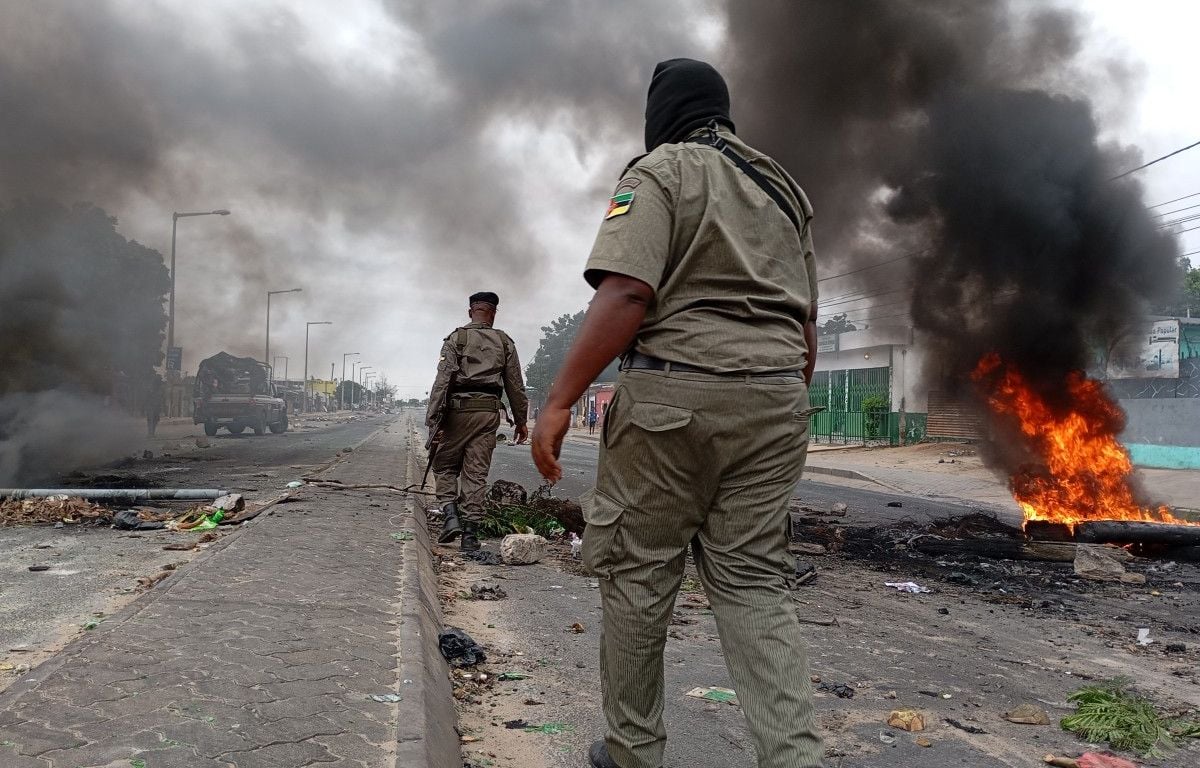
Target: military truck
236,393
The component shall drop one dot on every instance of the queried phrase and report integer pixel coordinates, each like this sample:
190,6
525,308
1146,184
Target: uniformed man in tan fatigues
479,363
706,284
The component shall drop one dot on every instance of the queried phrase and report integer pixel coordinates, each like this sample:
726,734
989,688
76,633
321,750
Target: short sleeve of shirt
635,234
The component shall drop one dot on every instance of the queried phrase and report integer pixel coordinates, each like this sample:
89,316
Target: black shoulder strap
711,139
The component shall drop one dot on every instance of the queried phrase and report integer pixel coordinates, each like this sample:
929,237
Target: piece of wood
1000,549
1046,530
1136,532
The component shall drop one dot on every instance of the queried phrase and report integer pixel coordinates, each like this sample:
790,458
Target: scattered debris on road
911,587
713,693
522,548
459,648
487,590
52,509
906,720
1027,714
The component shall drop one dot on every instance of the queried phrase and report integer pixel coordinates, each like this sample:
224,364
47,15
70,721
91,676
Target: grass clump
1110,713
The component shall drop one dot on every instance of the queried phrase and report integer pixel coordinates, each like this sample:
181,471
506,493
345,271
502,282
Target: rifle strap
711,139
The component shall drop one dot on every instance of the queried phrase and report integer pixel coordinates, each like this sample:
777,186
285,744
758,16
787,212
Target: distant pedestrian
706,282
592,419
154,404
479,363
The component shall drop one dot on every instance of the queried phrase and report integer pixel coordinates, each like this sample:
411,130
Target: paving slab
266,650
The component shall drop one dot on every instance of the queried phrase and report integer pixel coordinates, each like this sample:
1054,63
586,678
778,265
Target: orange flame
1082,472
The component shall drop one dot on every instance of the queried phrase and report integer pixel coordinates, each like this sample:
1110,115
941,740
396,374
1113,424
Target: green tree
552,353
1187,295
836,324
82,306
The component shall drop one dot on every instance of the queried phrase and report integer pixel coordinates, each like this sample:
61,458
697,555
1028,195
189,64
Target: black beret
487,297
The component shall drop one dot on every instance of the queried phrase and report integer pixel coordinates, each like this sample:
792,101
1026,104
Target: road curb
427,732
849,474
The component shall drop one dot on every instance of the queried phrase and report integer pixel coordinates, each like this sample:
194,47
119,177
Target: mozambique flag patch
619,203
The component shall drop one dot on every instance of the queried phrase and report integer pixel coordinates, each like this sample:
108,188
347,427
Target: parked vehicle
237,393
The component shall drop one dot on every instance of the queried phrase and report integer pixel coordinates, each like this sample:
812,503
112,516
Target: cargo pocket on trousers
659,417
602,540
804,417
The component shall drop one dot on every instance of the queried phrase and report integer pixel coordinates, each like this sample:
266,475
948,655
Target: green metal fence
858,410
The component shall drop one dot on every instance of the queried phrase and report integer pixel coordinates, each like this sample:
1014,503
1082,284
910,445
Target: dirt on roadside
987,636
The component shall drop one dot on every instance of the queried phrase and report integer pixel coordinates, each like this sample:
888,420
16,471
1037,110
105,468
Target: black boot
450,524
598,755
469,541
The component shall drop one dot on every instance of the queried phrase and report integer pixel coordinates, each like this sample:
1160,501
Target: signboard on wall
827,343
1155,355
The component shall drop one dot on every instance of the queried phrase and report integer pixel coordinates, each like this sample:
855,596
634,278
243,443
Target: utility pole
267,358
342,388
361,371
175,217
307,326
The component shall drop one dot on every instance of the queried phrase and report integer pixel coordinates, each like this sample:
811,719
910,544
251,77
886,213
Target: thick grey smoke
959,129
346,165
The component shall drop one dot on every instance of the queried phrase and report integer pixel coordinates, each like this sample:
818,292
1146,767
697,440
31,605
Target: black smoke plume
959,132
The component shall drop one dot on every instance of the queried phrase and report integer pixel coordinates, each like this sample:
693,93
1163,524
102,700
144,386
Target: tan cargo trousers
460,468
711,462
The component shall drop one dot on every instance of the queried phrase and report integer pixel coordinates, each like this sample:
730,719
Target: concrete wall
879,348
1163,432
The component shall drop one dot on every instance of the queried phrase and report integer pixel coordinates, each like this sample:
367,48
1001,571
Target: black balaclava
685,94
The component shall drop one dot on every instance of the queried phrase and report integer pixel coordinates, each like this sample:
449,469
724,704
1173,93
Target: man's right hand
548,435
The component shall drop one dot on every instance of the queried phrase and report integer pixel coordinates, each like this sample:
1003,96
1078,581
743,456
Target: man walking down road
153,407
706,283
479,363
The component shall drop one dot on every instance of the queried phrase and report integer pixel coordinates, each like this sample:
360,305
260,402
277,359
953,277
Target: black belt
636,361
476,389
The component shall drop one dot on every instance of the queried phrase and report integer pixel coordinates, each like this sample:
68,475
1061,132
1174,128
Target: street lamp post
361,375
342,389
175,217
307,326
285,364
267,358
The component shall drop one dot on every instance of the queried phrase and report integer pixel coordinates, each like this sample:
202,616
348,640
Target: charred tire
210,428
236,429
280,426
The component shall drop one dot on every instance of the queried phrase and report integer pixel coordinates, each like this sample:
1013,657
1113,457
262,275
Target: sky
391,157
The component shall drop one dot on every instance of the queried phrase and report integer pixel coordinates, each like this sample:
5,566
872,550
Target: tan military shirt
733,279
488,362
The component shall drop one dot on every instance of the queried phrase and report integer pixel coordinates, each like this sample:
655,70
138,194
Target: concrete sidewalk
266,650
952,471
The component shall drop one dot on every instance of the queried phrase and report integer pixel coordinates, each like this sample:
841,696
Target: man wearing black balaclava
706,286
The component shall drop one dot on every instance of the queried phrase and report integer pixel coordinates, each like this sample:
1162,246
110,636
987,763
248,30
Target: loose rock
522,548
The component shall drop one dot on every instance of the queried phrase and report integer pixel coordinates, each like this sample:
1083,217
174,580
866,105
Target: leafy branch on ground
501,521
1109,712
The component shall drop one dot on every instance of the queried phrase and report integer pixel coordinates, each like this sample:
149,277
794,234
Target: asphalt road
579,458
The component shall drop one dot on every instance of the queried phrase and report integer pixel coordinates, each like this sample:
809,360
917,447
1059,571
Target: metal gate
858,406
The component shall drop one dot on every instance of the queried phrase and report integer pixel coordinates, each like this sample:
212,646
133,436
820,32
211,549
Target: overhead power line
1155,160
1183,220
1176,200
1178,210
874,266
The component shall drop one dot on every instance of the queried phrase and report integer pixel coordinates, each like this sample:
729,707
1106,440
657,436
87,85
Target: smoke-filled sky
392,157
